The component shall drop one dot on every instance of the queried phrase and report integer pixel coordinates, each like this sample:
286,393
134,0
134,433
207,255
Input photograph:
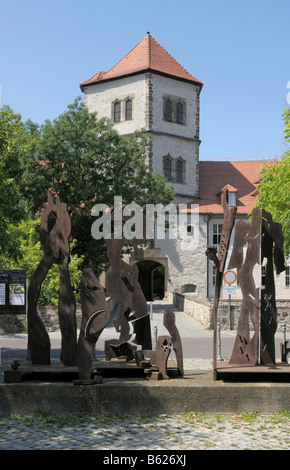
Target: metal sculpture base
41,372
120,368
280,372
154,362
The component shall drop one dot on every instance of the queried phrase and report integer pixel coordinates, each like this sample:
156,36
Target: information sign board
12,291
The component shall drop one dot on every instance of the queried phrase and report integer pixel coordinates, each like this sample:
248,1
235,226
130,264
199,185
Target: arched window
179,171
128,110
179,113
117,111
167,168
188,288
168,110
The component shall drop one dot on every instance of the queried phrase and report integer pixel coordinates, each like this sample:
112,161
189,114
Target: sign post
230,277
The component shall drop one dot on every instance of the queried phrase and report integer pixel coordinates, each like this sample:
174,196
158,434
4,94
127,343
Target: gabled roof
241,177
228,187
147,55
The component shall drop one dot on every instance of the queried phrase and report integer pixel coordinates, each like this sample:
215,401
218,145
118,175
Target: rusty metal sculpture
169,323
263,239
272,250
219,261
157,359
95,316
132,322
245,349
55,230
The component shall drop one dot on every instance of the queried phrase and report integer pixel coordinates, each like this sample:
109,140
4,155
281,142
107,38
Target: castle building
148,89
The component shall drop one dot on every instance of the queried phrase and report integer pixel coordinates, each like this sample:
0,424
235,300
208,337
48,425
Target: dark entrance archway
152,279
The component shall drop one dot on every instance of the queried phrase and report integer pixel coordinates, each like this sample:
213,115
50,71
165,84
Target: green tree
26,232
85,161
13,144
274,189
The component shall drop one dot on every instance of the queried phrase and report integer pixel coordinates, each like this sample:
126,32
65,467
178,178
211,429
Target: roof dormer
231,195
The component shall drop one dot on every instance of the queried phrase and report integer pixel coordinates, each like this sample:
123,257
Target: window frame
217,234
179,113
173,115
127,100
117,102
181,162
168,159
232,199
168,117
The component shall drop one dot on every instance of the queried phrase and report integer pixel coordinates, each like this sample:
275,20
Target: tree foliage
85,161
274,189
26,232
14,143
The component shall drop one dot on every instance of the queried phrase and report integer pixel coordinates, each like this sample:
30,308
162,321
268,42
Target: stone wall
16,324
198,310
228,315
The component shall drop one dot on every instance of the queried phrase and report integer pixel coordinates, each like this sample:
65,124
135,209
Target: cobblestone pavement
45,431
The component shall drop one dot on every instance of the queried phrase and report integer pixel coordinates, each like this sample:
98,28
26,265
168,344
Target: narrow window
179,171
179,113
216,233
287,276
128,111
168,110
232,199
117,111
167,168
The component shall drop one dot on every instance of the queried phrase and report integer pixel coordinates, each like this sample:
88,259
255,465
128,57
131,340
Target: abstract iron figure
245,349
272,251
169,323
123,286
55,230
219,261
95,316
158,358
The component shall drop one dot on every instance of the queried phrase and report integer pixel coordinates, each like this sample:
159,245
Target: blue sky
240,50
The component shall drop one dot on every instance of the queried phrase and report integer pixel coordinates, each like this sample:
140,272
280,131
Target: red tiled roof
148,54
230,188
241,177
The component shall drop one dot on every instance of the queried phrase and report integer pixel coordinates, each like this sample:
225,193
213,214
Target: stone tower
148,89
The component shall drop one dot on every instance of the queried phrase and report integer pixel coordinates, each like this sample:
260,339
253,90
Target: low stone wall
228,314
16,324
200,311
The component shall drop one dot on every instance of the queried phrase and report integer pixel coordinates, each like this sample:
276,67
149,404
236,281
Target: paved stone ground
45,431
192,431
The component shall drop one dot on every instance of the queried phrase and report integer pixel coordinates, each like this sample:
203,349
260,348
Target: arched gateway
152,279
